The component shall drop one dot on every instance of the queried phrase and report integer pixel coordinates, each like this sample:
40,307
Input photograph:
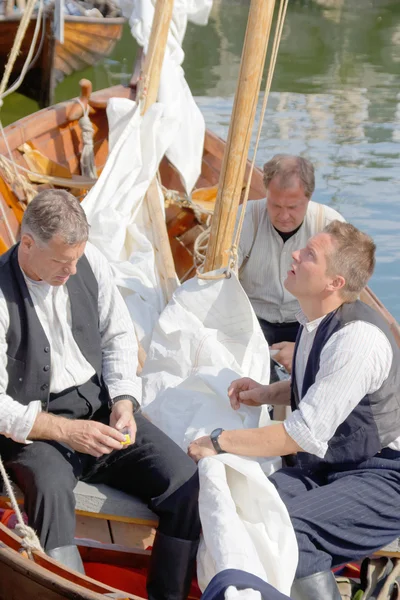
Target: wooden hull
86,41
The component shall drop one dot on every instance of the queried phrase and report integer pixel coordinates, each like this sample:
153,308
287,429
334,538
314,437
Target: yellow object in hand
127,439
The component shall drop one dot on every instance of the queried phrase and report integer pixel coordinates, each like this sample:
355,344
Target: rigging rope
29,539
88,168
235,244
26,17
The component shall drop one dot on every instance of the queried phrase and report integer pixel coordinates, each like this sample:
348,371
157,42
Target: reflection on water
335,99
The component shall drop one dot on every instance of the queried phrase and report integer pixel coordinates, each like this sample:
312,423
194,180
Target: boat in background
87,40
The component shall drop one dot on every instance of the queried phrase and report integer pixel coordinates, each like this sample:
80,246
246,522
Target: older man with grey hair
69,392
272,230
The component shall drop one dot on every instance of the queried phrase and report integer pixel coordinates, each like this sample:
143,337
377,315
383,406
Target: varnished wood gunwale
46,579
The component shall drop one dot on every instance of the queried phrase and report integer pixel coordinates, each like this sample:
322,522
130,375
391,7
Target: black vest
375,421
28,349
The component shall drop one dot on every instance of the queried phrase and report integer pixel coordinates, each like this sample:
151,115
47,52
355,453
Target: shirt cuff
22,426
299,431
128,387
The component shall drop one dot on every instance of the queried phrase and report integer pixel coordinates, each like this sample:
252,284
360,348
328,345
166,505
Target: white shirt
265,271
68,365
354,362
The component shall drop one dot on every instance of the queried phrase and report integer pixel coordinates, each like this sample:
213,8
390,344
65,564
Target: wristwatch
135,403
214,435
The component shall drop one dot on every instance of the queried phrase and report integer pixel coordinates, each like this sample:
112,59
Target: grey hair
285,167
55,212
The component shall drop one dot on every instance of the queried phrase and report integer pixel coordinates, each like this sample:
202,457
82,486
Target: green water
335,99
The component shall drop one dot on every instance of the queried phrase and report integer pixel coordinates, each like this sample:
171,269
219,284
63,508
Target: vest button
44,387
20,379
46,367
47,349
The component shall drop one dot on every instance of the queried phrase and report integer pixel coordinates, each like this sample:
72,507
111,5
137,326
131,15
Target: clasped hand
96,439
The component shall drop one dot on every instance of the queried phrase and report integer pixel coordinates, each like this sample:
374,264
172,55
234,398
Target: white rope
44,178
26,17
88,168
29,539
28,60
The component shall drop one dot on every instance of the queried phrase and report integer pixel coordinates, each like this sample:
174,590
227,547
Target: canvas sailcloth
207,336
204,338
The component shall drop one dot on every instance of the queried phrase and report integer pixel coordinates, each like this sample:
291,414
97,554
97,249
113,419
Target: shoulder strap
320,218
255,213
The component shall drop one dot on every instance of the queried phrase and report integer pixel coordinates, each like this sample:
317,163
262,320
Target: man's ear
26,242
336,284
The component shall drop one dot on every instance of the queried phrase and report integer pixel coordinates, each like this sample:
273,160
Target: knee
44,472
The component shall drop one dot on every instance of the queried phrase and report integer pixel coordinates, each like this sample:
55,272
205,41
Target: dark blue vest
29,351
375,421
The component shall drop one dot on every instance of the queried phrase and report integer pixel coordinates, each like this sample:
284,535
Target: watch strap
132,399
214,436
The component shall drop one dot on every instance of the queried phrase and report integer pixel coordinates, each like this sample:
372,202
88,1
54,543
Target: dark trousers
279,332
154,468
342,515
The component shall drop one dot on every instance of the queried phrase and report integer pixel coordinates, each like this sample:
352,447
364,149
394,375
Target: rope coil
88,168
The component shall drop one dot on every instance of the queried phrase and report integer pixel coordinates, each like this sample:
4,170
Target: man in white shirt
69,393
272,230
343,494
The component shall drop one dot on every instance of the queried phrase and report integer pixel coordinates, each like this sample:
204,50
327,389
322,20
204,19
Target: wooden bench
107,515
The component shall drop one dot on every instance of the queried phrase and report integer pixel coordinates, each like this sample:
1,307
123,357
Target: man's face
53,263
308,276
286,206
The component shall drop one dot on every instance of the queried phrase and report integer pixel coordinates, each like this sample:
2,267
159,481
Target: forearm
279,393
49,427
272,440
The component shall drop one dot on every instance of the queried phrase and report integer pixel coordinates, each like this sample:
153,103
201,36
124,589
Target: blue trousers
241,580
341,514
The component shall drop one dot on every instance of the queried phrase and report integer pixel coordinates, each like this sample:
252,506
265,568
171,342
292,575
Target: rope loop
87,163
29,539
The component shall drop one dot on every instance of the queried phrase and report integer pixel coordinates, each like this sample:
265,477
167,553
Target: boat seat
102,501
391,550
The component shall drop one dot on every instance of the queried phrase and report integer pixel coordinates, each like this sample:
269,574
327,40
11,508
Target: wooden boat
86,41
50,141
118,541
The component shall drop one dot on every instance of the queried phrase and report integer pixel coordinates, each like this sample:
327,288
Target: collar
308,325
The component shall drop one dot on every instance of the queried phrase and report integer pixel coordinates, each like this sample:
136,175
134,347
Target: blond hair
286,167
353,257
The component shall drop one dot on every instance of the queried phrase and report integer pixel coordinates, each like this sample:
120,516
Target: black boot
319,586
68,556
171,569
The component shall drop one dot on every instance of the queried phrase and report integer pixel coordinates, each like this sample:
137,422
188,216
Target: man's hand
285,354
200,448
122,418
90,437
246,391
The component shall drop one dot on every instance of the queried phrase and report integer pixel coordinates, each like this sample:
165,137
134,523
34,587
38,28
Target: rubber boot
319,586
172,565
68,556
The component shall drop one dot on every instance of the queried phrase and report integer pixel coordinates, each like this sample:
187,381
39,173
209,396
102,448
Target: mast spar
244,109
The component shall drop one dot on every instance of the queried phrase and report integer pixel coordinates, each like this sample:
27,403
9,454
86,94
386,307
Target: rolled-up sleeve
16,420
355,361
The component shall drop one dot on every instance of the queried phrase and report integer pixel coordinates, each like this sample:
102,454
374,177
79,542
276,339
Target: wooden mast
241,125
148,91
